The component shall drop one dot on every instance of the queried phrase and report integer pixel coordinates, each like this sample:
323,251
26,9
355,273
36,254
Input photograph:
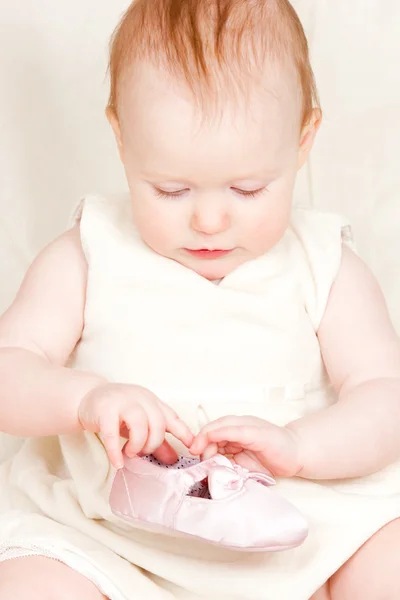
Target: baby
202,309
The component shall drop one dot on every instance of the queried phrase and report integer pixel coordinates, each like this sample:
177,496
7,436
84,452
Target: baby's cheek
156,234
263,234
273,221
152,223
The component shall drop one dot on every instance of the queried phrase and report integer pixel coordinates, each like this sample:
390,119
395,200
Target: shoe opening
200,489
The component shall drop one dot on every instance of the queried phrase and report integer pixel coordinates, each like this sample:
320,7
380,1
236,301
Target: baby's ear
114,122
308,135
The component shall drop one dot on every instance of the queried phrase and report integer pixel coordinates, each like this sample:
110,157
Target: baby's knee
39,578
360,577
18,582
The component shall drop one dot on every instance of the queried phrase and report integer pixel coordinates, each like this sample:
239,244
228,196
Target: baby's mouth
205,253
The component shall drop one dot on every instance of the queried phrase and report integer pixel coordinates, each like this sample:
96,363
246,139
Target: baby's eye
174,194
249,193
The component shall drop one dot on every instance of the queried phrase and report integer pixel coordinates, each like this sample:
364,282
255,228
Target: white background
55,143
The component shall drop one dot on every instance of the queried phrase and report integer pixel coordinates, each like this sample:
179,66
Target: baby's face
210,196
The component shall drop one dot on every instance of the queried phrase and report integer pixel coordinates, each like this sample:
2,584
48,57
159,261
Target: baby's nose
210,217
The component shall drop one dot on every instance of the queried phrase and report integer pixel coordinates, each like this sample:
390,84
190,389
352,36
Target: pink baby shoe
211,500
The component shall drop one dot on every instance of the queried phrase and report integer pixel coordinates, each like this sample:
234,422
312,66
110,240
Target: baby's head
213,104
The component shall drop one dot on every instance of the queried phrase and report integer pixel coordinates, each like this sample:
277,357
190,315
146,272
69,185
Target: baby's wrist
298,458
89,383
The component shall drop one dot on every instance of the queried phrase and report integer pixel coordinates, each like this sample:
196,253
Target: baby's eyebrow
256,176
259,176
162,176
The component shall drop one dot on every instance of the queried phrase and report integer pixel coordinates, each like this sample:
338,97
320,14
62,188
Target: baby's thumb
249,461
166,454
209,452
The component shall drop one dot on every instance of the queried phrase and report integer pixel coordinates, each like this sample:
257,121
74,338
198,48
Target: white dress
245,346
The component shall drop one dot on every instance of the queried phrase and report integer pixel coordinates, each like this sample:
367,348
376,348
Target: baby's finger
249,462
166,454
231,448
234,421
201,441
222,422
157,426
199,445
109,431
135,420
210,451
176,427
245,436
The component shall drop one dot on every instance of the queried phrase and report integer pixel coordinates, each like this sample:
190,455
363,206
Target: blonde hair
211,44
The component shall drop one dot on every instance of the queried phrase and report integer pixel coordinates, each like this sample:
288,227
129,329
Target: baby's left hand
252,443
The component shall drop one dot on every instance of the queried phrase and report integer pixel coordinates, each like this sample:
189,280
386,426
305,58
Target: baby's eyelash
162,194
178,194
249,193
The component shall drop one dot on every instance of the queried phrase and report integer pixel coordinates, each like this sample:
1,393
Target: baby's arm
38,395
360,434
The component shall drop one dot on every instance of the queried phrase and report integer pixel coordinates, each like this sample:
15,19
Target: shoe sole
162,529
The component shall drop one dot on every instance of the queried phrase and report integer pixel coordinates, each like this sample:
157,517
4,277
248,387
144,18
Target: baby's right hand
115,410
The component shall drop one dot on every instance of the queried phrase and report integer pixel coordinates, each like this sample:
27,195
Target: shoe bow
225,481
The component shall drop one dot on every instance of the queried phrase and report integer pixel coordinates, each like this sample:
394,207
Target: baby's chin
214,269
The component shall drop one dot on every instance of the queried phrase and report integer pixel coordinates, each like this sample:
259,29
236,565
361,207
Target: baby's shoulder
46,316
62,256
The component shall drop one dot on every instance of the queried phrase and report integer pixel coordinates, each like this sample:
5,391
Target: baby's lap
41,578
